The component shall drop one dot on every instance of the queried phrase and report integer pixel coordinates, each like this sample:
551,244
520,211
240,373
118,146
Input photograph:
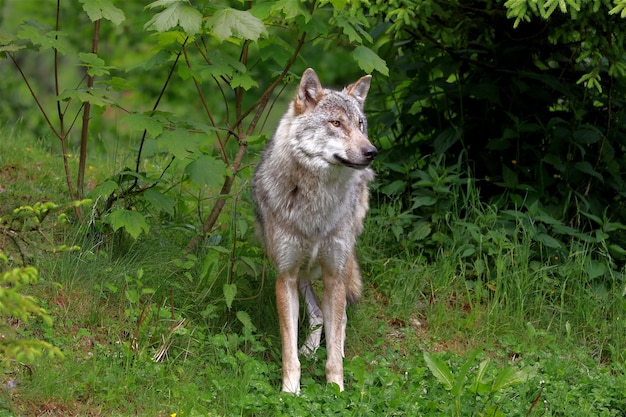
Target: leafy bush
18,227
533,109
16,307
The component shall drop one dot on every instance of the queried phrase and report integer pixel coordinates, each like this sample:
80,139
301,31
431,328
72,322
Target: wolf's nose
370,152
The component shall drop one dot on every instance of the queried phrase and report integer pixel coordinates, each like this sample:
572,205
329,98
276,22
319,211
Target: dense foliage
533,108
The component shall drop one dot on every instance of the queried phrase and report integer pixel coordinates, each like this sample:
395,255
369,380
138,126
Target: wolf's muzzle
370,152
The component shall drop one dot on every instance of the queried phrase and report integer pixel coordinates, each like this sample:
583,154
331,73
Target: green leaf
446,139
162,3
10,48
369,61
133,222
94,96
593,217
160,201
6,37
117,84
105,189
206,171
245,319
596,269
238,23
222,64
209,265
440,370
457,389
395,187
292,9
423,201
507,377
509,177
479,386
586,167
141,121
103,9
587,135
421,230
7,42
620,7
339,4
357,366
179,142
617,250
230,290
243,80
348,30
95,65
131,295
40,35
548,241
177,13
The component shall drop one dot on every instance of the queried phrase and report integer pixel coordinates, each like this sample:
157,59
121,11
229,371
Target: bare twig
32,93
80,183
207,109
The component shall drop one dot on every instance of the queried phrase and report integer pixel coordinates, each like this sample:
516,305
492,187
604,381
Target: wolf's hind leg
316,321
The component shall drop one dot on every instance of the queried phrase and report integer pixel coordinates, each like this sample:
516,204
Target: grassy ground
145,330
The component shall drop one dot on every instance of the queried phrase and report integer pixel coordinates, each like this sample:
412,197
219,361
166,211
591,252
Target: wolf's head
330,126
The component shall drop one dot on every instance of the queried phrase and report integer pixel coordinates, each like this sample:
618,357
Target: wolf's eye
360,124
335,123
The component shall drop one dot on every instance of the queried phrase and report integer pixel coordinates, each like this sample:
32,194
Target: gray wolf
311,195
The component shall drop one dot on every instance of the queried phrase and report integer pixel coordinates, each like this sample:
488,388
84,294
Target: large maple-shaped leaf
206,171
141,121
369,61
239,23
176,13
133,222
103,9
291,9
179,142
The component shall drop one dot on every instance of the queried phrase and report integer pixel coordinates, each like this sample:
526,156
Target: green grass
481,303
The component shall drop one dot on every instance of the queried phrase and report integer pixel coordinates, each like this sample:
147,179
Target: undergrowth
476,318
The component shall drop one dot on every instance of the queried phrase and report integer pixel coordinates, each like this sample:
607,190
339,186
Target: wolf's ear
310,92
359,89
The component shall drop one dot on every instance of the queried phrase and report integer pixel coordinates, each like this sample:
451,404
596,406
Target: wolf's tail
353,281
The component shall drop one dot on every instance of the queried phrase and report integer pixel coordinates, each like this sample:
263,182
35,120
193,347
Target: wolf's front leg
334,309
287,302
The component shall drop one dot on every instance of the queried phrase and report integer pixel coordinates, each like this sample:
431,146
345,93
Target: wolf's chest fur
315,204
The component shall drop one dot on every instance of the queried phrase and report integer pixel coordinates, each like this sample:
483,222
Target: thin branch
60,113
82,160
128,191
32,93
206,108
231,270
280,92
243,58
156,105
